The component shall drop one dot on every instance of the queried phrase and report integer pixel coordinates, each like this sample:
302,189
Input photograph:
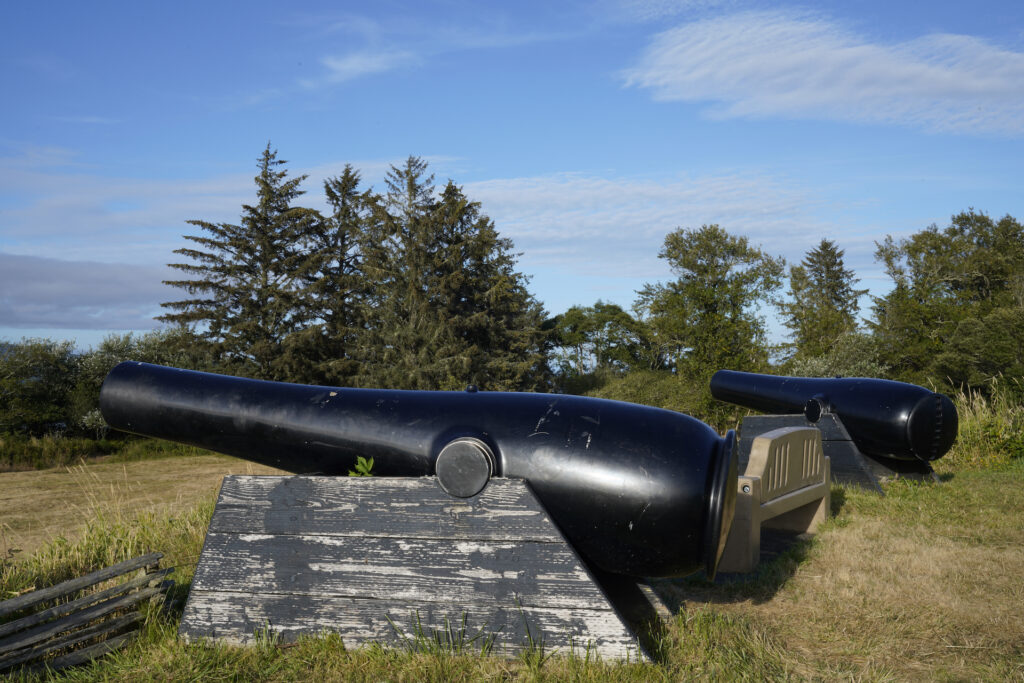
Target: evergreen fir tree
447,307
246,285
823,303
334,287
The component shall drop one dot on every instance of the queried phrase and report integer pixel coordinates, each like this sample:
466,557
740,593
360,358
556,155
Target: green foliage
451,639
246,289
707,319
36,377
982,349
334,287
852,354
25,452
45,386
716,646
109,538
176,347
991,433
364,467
947,284
602,338
822,304
447,307
407,290
663,389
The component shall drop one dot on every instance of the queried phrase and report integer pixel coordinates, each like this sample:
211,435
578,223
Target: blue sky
587,130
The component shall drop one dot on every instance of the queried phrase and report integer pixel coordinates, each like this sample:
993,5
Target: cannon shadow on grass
782,553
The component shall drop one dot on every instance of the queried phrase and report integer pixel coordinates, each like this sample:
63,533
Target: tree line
413,287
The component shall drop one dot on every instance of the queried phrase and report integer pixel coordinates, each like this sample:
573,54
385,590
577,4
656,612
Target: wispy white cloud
121,232
649,10
406,42
49,203
763,64
365,63
593,225
575,230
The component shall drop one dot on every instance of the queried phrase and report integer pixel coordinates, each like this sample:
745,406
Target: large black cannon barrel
884,418
637,490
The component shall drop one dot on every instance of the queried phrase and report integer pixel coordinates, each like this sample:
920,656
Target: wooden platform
384,559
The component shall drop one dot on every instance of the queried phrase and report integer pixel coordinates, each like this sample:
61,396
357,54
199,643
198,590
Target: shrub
36,377
991,428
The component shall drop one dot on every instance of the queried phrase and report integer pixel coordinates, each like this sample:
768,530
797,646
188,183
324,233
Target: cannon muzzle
884,418
637,490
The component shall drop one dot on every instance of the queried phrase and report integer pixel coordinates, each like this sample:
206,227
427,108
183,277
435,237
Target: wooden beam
69,607
69,640
8,607
72,621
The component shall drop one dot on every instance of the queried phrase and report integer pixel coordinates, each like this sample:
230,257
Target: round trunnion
464,466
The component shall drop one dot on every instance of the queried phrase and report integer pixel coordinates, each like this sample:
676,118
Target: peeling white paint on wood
344,506
311,554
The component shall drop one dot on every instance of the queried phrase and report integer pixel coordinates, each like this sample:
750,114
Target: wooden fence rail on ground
69,624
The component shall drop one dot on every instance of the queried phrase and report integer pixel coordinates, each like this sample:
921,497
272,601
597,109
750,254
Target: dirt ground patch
38,506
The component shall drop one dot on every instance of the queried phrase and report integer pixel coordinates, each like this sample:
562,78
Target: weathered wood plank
66,588
71,639
87,654
237,616
71,621
393,506
356,555
69,607
537,574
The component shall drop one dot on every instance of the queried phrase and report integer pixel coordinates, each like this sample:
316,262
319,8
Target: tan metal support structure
786,485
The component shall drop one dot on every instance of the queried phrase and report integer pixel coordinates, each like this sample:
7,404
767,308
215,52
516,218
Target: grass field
921,584
39,506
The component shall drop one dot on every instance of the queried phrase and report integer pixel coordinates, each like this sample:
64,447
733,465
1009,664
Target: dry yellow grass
923,584
38,506
872,599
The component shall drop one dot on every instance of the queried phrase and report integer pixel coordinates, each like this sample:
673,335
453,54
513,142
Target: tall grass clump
110,537
991,431
132,450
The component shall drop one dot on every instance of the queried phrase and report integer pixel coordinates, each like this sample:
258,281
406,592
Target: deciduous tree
36,378
948,283
708,317
603,338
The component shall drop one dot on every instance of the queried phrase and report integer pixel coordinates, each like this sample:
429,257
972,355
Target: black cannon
885,419
637,490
